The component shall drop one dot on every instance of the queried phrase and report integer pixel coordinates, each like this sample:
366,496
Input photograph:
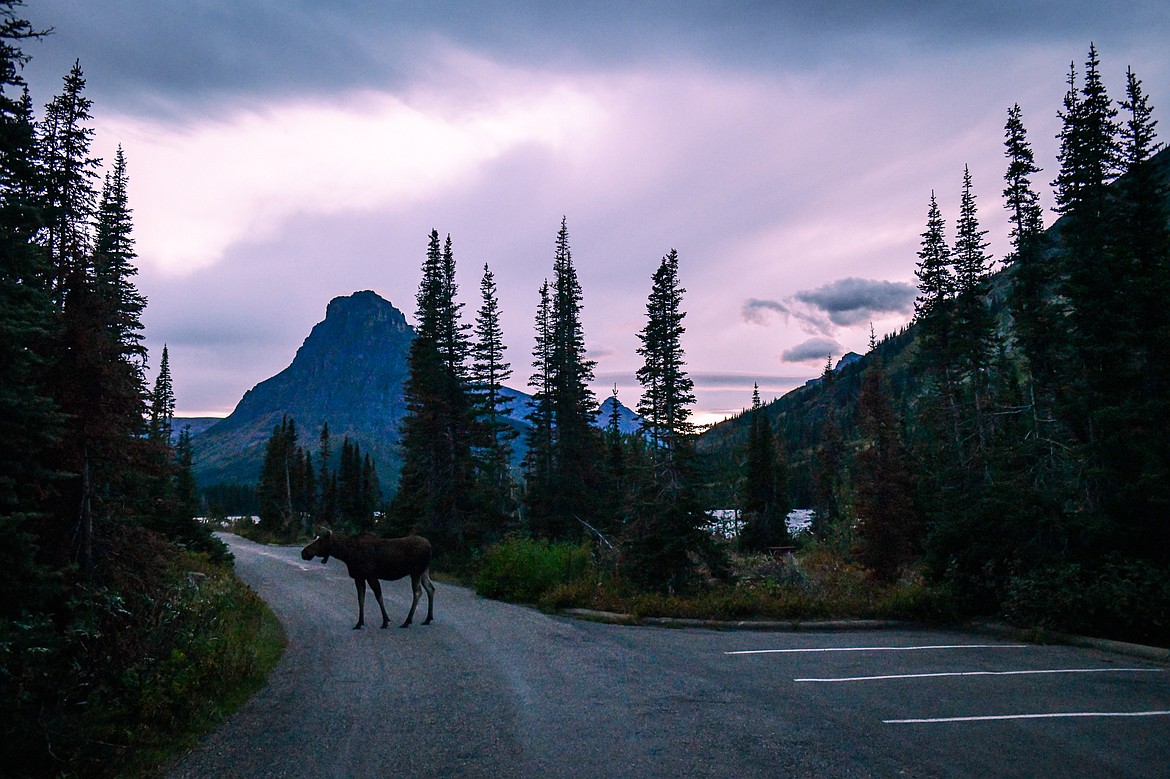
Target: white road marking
984,673
876,648
1057,715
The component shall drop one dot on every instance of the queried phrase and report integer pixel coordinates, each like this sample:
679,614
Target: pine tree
1142,196
615,451
489,371
1030,296
972,325
1021,201
973,328
186,488
669,520
557,506
162,402
887,523
1092,285
1031,455
29,423
436,486
114,262
936,281
453,343
326,480
765,501
972,265
1132,446
70,179
278,473
97,371
538,461
667,391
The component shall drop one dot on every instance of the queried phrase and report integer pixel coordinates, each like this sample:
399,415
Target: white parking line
985,673
1058,715
876,648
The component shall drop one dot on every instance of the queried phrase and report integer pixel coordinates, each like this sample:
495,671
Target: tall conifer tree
162,402
558,505
489,371
436,487
539,437
669,517
667,390
765,501
887,523
70,184
1030,297
29,424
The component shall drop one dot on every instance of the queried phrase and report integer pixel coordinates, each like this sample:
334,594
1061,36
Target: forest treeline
115,605
1011,442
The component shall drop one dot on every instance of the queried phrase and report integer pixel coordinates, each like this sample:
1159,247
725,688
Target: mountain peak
349,372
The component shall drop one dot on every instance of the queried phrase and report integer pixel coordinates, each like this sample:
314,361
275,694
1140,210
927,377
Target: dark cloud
853,301
813,349
167,54
757,312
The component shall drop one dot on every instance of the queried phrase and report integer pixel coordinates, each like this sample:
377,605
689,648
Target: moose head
321,547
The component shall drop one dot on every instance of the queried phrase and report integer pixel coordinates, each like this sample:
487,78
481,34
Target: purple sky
284,153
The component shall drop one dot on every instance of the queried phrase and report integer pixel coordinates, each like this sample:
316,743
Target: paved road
495,690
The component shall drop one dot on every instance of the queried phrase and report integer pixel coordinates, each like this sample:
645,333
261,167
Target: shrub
157,646
1119,598
525,569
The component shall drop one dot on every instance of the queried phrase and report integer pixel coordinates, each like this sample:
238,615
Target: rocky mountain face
349,372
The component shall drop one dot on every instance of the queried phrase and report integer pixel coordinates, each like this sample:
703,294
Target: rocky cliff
349,372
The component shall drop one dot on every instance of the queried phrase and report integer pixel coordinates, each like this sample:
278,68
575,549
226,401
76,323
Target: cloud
852,301
245,176
253,47
758,312
842,303
812,349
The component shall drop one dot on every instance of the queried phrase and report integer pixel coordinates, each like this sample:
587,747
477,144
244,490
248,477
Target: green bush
817,584
158,646
525,569
1116,598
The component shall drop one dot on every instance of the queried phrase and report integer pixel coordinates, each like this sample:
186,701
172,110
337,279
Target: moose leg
417,588
426,582
376,586
361,590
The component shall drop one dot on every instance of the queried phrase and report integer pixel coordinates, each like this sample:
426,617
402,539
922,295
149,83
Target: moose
370,558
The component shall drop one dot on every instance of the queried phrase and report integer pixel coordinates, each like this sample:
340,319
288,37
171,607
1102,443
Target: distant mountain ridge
351,372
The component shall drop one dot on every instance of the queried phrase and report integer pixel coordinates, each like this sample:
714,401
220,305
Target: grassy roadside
228,664
153,651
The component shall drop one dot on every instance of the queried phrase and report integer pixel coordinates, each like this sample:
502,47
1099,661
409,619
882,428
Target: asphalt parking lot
972,706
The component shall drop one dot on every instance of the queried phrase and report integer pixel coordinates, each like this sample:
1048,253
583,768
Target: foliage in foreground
156,648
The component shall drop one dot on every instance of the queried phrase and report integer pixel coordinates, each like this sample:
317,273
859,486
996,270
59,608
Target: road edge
1032,635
